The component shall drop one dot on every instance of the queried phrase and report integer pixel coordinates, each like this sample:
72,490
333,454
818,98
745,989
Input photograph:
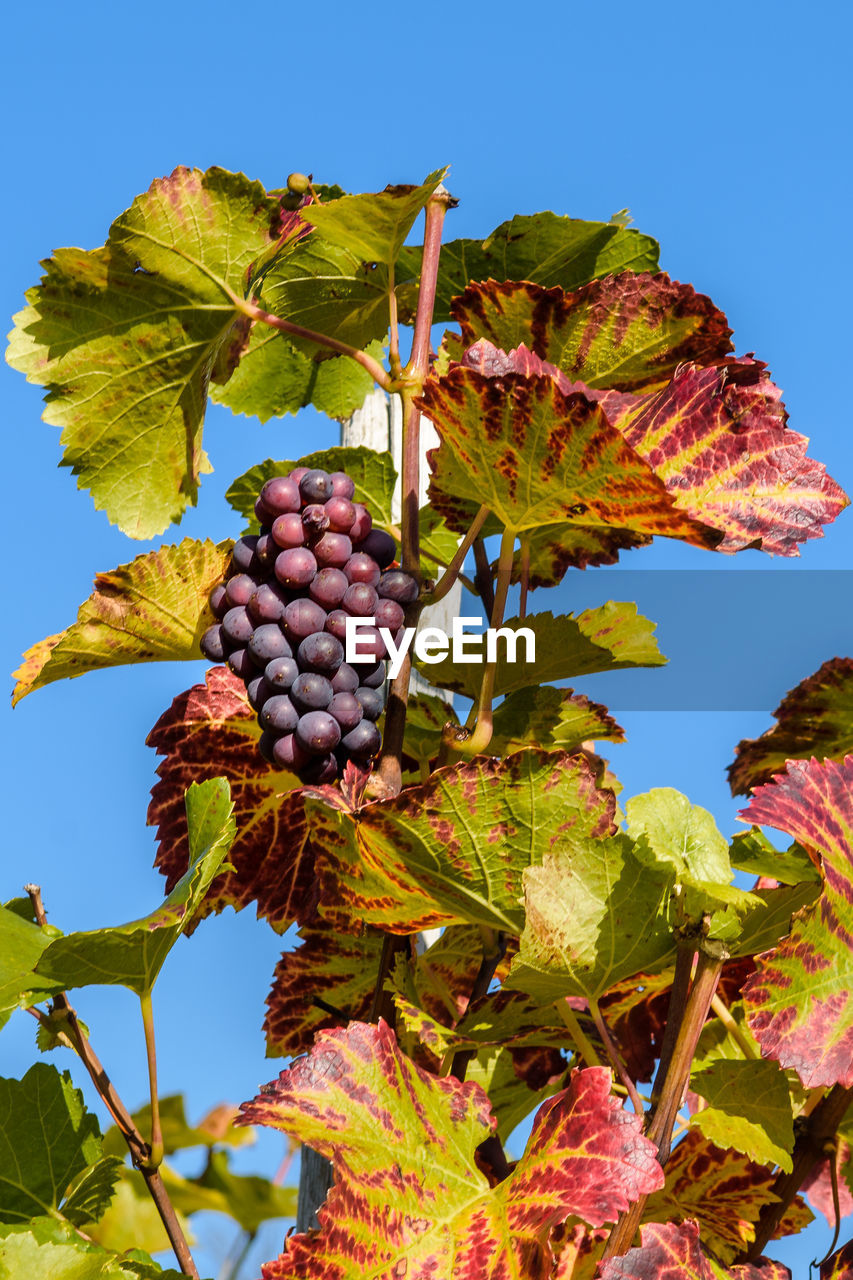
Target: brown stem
453,570
382,1005
615,1058
139,1150
494,949
436,208
483,577
373,367
704,985
810,1147
674,1015
525,576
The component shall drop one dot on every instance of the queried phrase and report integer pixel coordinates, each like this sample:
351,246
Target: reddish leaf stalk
140,1152
810,1147
674,1016
615,1058
453,570
659,1132
482,733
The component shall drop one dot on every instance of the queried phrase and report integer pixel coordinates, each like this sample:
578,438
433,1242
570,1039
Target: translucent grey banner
735,640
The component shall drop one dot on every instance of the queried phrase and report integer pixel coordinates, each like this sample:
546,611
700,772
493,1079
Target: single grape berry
315,521
320,652
213,644
244,555
372,677
332,549
380,546
266,550
362,524
315,486
399,586
362,742
281,494
372,702
297,473
318,732
288,754
239,590
218,603
340,513
345,679
360,600
389,614
346,709
269,642
288,531
281,673
298,183
240,662
266,746
279,713
320,769
238,626
302,618
258,690
311,692
295,568
267,603
342,485
362,568
336,624
328,588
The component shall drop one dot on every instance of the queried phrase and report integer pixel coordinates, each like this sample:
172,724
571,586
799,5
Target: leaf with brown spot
814,719
629,332
453,849
545,717
408,1198
211,731
554,548
723,1191
840,1265
761,1269
154,609
667,1252
331,966
577,1249
799,999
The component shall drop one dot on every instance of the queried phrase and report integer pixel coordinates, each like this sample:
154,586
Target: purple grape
267,604
302,618
380,546
258,690
263,515
219,605
314,520
328,588
320,652
240,662
362,568
362,524
280,495
342,485
372,702
288,754
296,567
340,514
371,645
279,713
345,679
287,531
399,586
362,742
238,626
319,770
239,590
297,473
373,679
315,486
244,556
266,551
266,746
336,624
389,614
311,692
347,710
318,732
360,600
281,673
332,549
269,642
213,644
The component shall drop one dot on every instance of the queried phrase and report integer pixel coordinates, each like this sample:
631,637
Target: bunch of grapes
282,615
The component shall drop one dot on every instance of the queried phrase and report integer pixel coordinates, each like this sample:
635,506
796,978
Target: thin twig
453,570
721,1009
483,576
615,1057
579,1038
373,367
494,950
156,1145
525,576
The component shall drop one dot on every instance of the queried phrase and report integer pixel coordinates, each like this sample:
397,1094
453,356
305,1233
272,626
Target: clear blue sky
725,131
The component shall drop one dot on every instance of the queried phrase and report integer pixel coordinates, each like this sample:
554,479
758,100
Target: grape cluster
282,614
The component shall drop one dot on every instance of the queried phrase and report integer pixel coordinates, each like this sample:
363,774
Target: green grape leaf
751,851
372,473
214,1129
154,609
126,338
679,834
92,1192
799,998
771,917
454,848
547,248
554,548
629,332
373,227
814,719
426,716
21,946
723,1191
608,638
274,378
511,1098
748,1108
718,1044
211,731
44,1249
47,1138
249,1199
537,454
546,717
668,1251
327,966
132,955
408,1196
595,914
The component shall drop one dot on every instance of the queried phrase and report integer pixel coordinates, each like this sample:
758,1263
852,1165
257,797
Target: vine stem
671,1094
138,1147
483,576
615,1057
721,1009
155,1158
481,735
810,1147
453,570
494,949
525,576
579,1038
674,1015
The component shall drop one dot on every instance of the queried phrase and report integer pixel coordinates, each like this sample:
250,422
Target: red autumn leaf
840,1265
409,1198
762,1269
817,1185
814,719
799,1001
667,1252
211,731
577,1249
